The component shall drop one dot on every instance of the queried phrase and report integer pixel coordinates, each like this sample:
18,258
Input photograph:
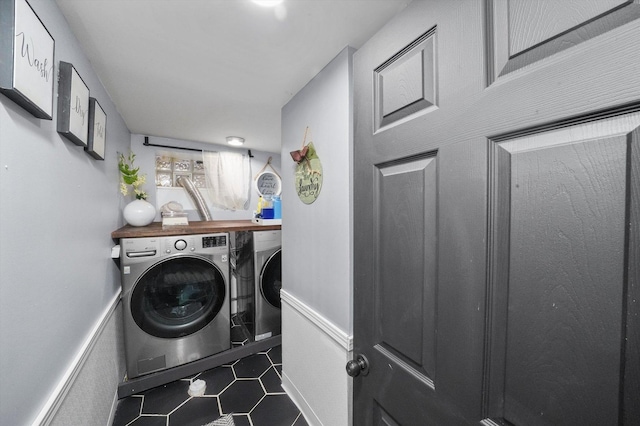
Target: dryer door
271,279
178,296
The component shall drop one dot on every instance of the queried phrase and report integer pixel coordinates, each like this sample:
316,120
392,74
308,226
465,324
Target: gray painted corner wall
58,209
316,238
92,393
146,159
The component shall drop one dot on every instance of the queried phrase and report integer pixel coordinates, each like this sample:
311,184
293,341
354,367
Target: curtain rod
146,143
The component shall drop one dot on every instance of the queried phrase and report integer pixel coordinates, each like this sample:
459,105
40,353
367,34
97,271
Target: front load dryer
267,250
175,299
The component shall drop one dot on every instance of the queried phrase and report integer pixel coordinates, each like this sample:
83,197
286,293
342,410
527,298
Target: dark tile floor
249,388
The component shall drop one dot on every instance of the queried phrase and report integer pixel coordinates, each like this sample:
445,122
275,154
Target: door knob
357,366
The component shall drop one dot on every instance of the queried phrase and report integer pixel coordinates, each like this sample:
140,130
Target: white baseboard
49,410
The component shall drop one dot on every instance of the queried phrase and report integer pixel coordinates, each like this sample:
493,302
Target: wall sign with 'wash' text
26,59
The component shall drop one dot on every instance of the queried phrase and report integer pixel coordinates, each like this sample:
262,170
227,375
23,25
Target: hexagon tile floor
249,389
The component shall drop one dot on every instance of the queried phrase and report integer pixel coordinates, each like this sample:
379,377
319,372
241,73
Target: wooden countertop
196,227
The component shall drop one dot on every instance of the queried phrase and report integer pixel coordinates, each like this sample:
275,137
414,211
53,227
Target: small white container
197,387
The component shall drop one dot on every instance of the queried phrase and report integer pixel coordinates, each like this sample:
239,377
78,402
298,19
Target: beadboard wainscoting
87,391
314,355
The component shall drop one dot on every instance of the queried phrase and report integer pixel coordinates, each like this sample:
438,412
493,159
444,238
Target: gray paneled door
497,206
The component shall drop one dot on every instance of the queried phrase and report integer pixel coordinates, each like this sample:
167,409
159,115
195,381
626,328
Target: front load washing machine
267,250
176,300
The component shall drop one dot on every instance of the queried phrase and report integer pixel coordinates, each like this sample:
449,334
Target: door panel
522,32
565,283
405,291
532,22
406,259
631,374
496,246
564,313
405,84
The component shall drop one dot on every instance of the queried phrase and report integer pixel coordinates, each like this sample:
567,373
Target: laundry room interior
319,212
62,342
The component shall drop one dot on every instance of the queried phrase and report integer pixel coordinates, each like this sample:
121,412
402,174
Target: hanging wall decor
97,130
308,173
73,105
267,182
26,59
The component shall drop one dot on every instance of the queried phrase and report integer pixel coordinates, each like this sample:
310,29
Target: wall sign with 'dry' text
73,105
26,59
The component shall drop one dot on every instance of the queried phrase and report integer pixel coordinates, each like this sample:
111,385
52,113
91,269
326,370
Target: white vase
139,213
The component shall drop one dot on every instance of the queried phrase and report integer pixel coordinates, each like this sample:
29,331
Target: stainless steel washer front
176,300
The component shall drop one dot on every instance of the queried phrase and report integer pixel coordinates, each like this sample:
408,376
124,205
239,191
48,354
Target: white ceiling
202,70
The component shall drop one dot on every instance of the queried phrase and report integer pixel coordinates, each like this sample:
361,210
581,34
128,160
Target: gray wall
316,238
58,207
145,159
92,394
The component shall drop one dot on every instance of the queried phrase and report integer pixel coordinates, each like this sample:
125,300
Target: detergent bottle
267,207
259,206
277,207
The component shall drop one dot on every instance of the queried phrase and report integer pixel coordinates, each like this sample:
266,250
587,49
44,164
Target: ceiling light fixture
268,3
235,140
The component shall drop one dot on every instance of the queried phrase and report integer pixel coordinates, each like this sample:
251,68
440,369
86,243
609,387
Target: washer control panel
202,243
180,245
136,250
214,241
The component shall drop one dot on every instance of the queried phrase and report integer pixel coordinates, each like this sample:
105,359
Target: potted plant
138,212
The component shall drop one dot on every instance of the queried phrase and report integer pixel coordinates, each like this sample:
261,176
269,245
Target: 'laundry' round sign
308,176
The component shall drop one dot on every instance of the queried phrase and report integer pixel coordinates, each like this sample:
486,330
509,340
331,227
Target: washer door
178,296
271,279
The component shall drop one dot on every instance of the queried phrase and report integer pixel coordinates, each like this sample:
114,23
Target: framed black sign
26,59
73,105
97,130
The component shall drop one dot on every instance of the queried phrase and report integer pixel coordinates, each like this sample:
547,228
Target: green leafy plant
130,177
